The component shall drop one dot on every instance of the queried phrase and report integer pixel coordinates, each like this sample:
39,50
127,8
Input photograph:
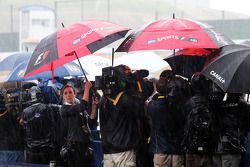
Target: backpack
39,126
197,135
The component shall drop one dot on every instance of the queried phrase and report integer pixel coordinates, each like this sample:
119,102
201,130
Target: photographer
141,89
76,151
119,112
160,121
166,122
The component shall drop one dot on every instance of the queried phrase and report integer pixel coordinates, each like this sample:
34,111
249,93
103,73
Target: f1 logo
41,57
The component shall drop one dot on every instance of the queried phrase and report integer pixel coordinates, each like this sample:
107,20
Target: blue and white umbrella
13,60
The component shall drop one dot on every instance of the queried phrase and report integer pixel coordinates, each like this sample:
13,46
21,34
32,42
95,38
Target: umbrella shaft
81,66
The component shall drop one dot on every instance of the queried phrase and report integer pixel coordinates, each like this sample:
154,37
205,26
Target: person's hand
95,101
88,85
21,121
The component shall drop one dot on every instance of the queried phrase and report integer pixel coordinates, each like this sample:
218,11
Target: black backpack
197,135
39,126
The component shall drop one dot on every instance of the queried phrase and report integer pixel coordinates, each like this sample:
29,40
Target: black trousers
40,157
77,157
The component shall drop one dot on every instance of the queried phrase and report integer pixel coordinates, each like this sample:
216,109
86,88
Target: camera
16,99
118,78
108,81
12,100
12,95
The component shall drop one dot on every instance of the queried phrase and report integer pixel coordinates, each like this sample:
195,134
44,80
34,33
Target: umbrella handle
81,66
113,54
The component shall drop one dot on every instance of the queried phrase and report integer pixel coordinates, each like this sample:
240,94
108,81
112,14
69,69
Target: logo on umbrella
41,57
217,76
79,39
21,73
181,38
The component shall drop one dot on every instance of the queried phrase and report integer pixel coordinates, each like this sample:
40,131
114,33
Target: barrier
98,154
97,147
19,164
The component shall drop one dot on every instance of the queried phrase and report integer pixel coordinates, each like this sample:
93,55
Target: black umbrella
186,62
231,69
185,65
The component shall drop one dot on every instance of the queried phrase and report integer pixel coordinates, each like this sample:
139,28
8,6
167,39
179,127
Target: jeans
13,156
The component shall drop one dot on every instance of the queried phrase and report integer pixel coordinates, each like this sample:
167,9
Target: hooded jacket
166,126
118,123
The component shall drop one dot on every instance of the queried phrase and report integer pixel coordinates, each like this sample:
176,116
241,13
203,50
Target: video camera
118,78
12,100
107,81
16,99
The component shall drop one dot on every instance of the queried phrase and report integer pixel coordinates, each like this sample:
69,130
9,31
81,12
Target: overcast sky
239,6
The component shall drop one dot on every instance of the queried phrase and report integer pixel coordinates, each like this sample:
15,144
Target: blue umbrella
69,69
12,61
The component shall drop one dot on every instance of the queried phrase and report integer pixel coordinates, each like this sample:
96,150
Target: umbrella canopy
71,42
186,66
194,52
230,70
186,62
11,61
142,60
174,34
246,42
93,64
69,69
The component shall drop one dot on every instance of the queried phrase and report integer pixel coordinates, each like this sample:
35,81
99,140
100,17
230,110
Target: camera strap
161,97
116,100
2,114
139,86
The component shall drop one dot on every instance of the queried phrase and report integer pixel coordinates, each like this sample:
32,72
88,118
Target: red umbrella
174,34
194,52
69,43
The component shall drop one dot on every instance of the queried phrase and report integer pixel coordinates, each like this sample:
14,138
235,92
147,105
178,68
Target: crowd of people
48,131
166,122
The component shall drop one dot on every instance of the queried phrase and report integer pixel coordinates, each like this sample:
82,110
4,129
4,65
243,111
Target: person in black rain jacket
197,142
231,127
76,150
